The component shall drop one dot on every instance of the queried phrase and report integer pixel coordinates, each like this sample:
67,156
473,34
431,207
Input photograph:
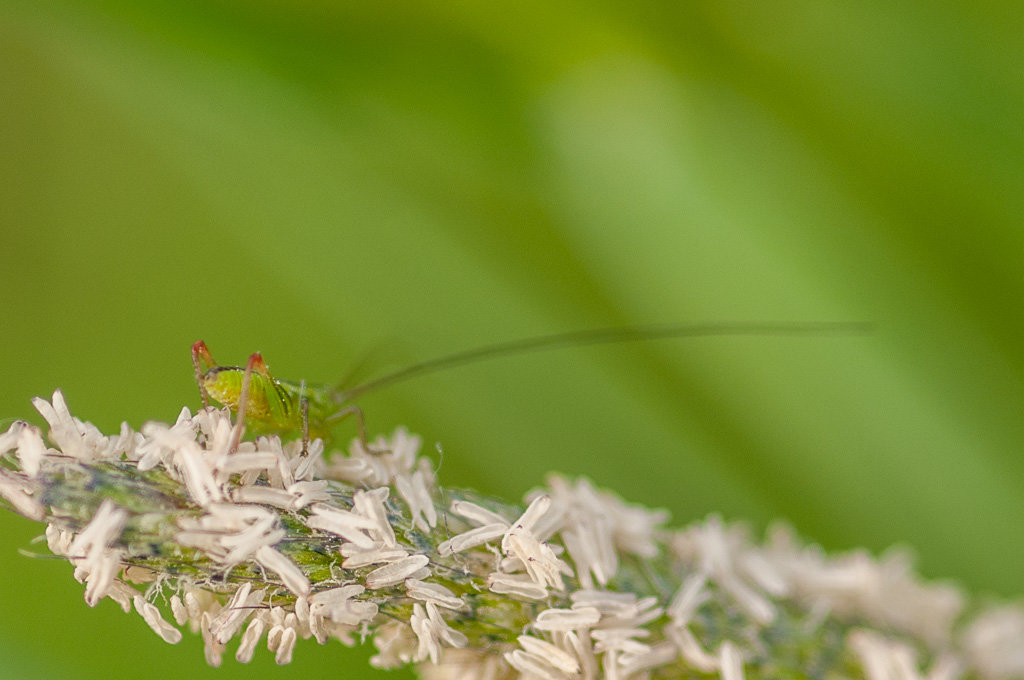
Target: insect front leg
203,361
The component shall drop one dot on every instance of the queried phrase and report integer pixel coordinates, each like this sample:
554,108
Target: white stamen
690,596
263,495
336,595
993,642
528,519
370,504
397,572
307,492
420,488
690,649
63,429
239,608
428,643
230,533
306,468
659,655
123,594
91,553
285,646
244,462
58,540
519,585
605,601
731,662
100,532
538,558
250,638
9,439
198,477
567,619
362,558
19,494
471,538
432,592
152,617
431,629
211,648
348,525
178,610
531,666
476,514
31,449
621,640
292,577
339,608
102,570
542,649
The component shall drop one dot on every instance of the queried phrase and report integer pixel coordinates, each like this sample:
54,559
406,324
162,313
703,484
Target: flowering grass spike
273,542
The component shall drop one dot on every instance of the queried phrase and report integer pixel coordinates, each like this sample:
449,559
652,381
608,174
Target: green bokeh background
326,181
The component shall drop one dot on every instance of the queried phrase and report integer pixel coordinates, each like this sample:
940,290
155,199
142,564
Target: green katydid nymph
269,404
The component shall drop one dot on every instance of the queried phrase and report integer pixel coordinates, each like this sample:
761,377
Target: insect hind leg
255,362
353,410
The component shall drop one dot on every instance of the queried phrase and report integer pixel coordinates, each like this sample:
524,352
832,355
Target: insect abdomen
268,401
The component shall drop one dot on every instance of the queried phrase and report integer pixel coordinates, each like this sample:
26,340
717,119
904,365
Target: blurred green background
327,181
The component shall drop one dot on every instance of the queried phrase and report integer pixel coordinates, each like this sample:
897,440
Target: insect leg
255,362
360,421
304,407
203,361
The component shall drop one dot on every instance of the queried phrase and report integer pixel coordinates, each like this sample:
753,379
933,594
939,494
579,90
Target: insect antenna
359,368
604,336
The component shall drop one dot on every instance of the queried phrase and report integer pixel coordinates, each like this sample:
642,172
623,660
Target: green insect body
271,405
